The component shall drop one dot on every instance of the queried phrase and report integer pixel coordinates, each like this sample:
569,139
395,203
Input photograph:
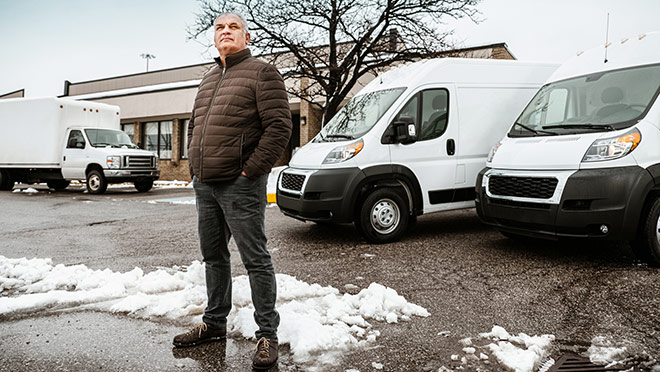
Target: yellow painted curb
271,198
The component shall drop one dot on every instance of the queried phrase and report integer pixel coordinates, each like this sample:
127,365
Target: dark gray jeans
236,208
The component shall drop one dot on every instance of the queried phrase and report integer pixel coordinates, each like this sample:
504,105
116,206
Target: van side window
76,140
435,103
410,109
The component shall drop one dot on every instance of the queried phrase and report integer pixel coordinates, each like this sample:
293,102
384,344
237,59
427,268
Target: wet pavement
465,274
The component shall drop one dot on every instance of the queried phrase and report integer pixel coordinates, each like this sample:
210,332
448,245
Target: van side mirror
80,145
405,131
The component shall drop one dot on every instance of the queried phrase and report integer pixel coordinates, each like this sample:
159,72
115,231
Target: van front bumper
318,195
125,175
593,203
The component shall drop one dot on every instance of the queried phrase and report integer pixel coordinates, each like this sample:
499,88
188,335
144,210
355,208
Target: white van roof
635,51
461,70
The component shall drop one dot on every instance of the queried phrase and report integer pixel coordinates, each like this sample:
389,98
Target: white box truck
57,140
411,142
583,159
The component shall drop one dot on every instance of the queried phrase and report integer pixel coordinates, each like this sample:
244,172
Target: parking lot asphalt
467,275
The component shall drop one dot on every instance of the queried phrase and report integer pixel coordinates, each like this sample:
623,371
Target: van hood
311,155
548,152
126,151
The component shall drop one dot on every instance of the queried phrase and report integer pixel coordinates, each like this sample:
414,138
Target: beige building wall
168,95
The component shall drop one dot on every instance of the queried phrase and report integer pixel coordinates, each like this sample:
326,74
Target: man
240,125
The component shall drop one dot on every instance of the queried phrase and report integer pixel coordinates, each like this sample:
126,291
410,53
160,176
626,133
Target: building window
158,138
129,129
184,138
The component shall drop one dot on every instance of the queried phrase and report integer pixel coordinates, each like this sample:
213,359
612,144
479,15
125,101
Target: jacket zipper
240,152
206,118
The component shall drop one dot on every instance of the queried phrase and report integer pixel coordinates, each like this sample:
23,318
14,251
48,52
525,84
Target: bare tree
329,44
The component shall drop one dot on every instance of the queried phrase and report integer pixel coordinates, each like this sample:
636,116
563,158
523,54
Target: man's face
230,37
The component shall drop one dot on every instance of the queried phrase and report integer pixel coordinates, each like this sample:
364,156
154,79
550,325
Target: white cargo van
411,142
583,159
57,140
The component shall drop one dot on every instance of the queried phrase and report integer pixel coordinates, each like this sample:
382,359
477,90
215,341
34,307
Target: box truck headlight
343,153
613,147
492,152
114,162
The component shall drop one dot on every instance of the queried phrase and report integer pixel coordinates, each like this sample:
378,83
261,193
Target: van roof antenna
607,41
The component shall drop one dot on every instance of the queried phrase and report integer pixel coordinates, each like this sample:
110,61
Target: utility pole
147,56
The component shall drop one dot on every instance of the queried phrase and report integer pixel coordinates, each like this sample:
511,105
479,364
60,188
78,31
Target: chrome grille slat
138,161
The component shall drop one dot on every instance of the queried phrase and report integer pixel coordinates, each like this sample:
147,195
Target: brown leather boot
266,355
200,334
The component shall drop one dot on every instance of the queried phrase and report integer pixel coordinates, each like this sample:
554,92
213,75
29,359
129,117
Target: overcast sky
44,42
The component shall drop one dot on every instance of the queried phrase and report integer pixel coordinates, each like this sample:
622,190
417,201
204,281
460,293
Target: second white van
583,159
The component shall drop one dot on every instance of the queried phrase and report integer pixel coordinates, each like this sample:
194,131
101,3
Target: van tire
96,182
58,185
143,186
647,244
6,180
383,216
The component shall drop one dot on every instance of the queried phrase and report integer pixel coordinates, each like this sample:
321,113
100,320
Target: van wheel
58,185
144,186
647,244
6,180
383,216
96,183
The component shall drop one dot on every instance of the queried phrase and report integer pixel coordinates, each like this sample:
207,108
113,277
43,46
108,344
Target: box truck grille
292,182
523,187
139,161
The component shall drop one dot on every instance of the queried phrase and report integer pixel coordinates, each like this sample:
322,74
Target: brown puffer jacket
240,122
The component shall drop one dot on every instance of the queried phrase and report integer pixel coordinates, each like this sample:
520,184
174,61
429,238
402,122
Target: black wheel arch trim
394,172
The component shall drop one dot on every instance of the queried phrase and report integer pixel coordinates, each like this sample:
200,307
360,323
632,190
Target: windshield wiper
344,136
581,126
103,144
536,132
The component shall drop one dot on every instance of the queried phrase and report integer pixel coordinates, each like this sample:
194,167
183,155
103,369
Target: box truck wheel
6,180
647,244
143,186
383,216
58,185
96,183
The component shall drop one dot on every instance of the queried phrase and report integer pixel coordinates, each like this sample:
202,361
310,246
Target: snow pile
522,353
603,351
317,322
176,184
28,190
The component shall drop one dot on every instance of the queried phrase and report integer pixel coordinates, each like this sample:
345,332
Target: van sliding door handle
451,147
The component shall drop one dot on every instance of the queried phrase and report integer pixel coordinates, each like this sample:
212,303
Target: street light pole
147,56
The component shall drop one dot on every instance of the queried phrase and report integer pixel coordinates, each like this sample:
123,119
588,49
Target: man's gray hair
242,20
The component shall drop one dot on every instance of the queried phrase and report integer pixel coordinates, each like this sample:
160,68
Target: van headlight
613,147
343,153
492,152
113,162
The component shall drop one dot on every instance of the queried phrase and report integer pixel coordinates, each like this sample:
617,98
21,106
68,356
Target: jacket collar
234,59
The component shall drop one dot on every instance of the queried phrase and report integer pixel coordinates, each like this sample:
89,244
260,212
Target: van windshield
109,137
601,101
359,115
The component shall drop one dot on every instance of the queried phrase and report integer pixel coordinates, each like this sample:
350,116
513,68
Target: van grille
139,161
523,187
292,182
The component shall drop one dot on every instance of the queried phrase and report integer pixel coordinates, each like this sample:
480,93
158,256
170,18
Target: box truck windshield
108,137
359,115
602,101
